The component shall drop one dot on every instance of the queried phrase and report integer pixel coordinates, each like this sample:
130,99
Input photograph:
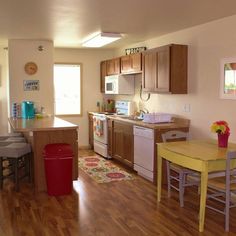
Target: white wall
3,90
90,60
207,45
21,52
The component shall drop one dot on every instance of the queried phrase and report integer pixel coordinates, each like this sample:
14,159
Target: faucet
142,112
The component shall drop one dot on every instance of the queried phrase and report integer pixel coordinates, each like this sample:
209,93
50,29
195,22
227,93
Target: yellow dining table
201,155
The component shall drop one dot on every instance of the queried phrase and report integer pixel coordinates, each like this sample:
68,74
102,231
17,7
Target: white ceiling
69,22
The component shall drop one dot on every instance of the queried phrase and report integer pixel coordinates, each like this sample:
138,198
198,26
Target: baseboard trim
85,147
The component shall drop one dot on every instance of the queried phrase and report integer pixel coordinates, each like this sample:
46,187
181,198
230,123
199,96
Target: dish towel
98,126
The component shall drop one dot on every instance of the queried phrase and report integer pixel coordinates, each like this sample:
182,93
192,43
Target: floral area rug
102,170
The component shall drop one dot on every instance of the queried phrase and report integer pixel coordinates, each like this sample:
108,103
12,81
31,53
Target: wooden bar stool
18,156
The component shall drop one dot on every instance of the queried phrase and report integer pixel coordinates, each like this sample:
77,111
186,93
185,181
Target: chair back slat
175,135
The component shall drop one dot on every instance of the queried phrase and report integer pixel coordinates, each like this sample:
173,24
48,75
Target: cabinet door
110,137
131,63
91,131
149,79
118,141
179,69
113,66
163,69
123,143
128,144
136,60
116,66
125,64
103,71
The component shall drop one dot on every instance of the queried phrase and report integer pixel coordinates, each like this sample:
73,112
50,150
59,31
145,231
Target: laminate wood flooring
122,208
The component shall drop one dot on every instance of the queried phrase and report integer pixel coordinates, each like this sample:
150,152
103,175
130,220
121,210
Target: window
67,89
228,78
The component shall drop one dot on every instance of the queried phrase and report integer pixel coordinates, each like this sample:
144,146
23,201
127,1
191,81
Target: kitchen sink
132,118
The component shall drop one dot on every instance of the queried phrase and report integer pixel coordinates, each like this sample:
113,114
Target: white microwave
119,84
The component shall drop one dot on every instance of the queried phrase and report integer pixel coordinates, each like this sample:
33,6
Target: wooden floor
111,209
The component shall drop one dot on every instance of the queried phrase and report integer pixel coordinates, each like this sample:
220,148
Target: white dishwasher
144,151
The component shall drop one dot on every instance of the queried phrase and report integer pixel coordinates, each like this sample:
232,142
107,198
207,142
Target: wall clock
31,68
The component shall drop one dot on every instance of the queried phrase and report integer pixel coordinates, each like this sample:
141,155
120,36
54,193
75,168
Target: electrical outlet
187,107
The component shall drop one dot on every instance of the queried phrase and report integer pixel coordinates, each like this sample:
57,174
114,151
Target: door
100,128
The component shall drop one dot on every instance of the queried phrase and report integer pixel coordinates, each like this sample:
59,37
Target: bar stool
8,135
12,139
18,156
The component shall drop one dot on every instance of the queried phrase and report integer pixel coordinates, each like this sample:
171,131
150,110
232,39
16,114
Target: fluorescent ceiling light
101,39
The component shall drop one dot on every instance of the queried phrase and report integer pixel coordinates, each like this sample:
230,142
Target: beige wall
207,45
21,52
90,60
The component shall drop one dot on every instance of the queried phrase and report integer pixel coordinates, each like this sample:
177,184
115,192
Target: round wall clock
31,68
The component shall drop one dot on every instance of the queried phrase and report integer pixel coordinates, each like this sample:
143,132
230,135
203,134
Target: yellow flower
220,127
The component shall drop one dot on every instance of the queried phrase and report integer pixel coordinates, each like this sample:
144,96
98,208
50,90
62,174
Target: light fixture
101,39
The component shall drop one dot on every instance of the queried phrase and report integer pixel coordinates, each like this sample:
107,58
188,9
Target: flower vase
223,140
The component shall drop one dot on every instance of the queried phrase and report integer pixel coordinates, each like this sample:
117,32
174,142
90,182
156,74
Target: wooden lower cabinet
91,130
110,124
123,142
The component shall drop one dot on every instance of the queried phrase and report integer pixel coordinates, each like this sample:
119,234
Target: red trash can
58,168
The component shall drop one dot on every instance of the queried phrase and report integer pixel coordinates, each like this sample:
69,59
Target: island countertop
42,124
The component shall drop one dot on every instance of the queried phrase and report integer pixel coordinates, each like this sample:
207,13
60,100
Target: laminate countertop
176,122
42,124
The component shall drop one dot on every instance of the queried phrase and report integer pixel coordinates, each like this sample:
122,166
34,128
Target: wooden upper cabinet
149,79
131,63
103,71
113,66
165,69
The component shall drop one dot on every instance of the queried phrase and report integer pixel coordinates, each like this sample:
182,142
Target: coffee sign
129,51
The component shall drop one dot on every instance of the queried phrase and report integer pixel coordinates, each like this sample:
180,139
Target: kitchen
138,151
207,45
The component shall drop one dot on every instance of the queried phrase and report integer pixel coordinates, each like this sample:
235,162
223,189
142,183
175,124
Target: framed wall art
228,78
31,85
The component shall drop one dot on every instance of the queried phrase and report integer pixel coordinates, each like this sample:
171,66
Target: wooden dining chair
175,173
220,189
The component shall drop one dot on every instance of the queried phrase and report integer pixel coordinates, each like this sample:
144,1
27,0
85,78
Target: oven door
100,129
109,88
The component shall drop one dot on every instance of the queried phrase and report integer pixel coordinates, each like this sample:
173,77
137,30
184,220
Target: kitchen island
40,132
